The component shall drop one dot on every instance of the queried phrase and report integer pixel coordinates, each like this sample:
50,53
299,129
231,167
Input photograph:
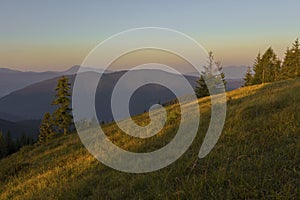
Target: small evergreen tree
10,146
46,128
62,116
248,77
208,76
201,90
3,146
24,141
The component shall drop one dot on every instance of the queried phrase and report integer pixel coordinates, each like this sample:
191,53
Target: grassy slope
257,156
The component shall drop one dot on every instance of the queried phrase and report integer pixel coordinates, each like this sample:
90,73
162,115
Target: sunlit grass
257,156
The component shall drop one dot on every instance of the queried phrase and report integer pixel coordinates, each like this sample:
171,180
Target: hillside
257,156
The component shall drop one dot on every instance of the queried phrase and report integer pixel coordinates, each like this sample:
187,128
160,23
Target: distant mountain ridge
231,72
235,72
33,101
9,71
12,80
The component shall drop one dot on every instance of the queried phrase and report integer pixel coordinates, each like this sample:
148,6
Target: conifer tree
3,146
266,68
248,77
270,66
201,90
62,116
287,65
24,139
208,77
10,146
46,128
296,51
258,71
220,79
291,63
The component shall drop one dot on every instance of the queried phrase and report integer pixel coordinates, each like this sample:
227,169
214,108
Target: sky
55,35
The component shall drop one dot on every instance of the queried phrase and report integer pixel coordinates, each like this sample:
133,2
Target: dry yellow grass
257,156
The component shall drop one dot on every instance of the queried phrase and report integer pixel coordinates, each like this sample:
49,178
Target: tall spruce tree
291,63
62,116
270,65
287,69
248,77
258,71
46,128
208,77
267,67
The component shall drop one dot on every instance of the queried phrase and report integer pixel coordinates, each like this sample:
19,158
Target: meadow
256,157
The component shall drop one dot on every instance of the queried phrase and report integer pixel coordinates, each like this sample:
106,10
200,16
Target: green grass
257,157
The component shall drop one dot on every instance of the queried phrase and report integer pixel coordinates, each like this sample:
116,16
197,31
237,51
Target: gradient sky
55,35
